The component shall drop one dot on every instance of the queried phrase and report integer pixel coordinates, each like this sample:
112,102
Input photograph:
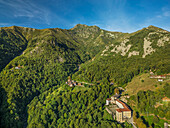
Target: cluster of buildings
120,111
166,99
73,83
159,77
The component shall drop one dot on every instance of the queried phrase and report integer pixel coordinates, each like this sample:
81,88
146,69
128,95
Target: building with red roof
120,110
166,99
108,100
123,112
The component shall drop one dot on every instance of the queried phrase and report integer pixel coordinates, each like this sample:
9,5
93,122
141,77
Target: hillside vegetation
118,64
35,64
143,82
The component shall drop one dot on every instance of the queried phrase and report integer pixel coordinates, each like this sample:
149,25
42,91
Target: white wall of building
119,104
107,102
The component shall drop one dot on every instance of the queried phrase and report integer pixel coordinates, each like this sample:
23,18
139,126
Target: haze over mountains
46,58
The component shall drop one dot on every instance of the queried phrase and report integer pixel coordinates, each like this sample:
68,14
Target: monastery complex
120,111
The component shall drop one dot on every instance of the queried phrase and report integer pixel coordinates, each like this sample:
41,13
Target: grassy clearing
76,89
143,82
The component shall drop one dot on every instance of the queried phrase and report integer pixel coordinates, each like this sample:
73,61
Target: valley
35,65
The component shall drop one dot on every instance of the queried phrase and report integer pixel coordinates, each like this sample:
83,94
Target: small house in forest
108,101
166,99
160,80
17,67
70,82
151,73
79,84
75,83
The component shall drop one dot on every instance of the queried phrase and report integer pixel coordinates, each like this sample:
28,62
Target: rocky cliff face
143,43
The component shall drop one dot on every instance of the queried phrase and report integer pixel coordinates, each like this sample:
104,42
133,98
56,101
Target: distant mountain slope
93,39
143,42
82,41
120,61
12,43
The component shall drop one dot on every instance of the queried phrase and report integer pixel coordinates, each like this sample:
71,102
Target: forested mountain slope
83,41
48,57
12,43
38,62
119,62
43,64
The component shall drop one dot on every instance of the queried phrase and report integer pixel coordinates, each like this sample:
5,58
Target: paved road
131,122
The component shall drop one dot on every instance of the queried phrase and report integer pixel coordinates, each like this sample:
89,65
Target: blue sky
113,15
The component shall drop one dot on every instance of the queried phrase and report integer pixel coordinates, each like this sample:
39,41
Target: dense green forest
121,69
24,84
71,107
12,43
35,65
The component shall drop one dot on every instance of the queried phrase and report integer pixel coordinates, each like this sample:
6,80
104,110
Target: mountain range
35,64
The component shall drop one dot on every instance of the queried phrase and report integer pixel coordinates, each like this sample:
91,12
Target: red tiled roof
108,99
165,99
159,76
119,110
122,109
126,108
